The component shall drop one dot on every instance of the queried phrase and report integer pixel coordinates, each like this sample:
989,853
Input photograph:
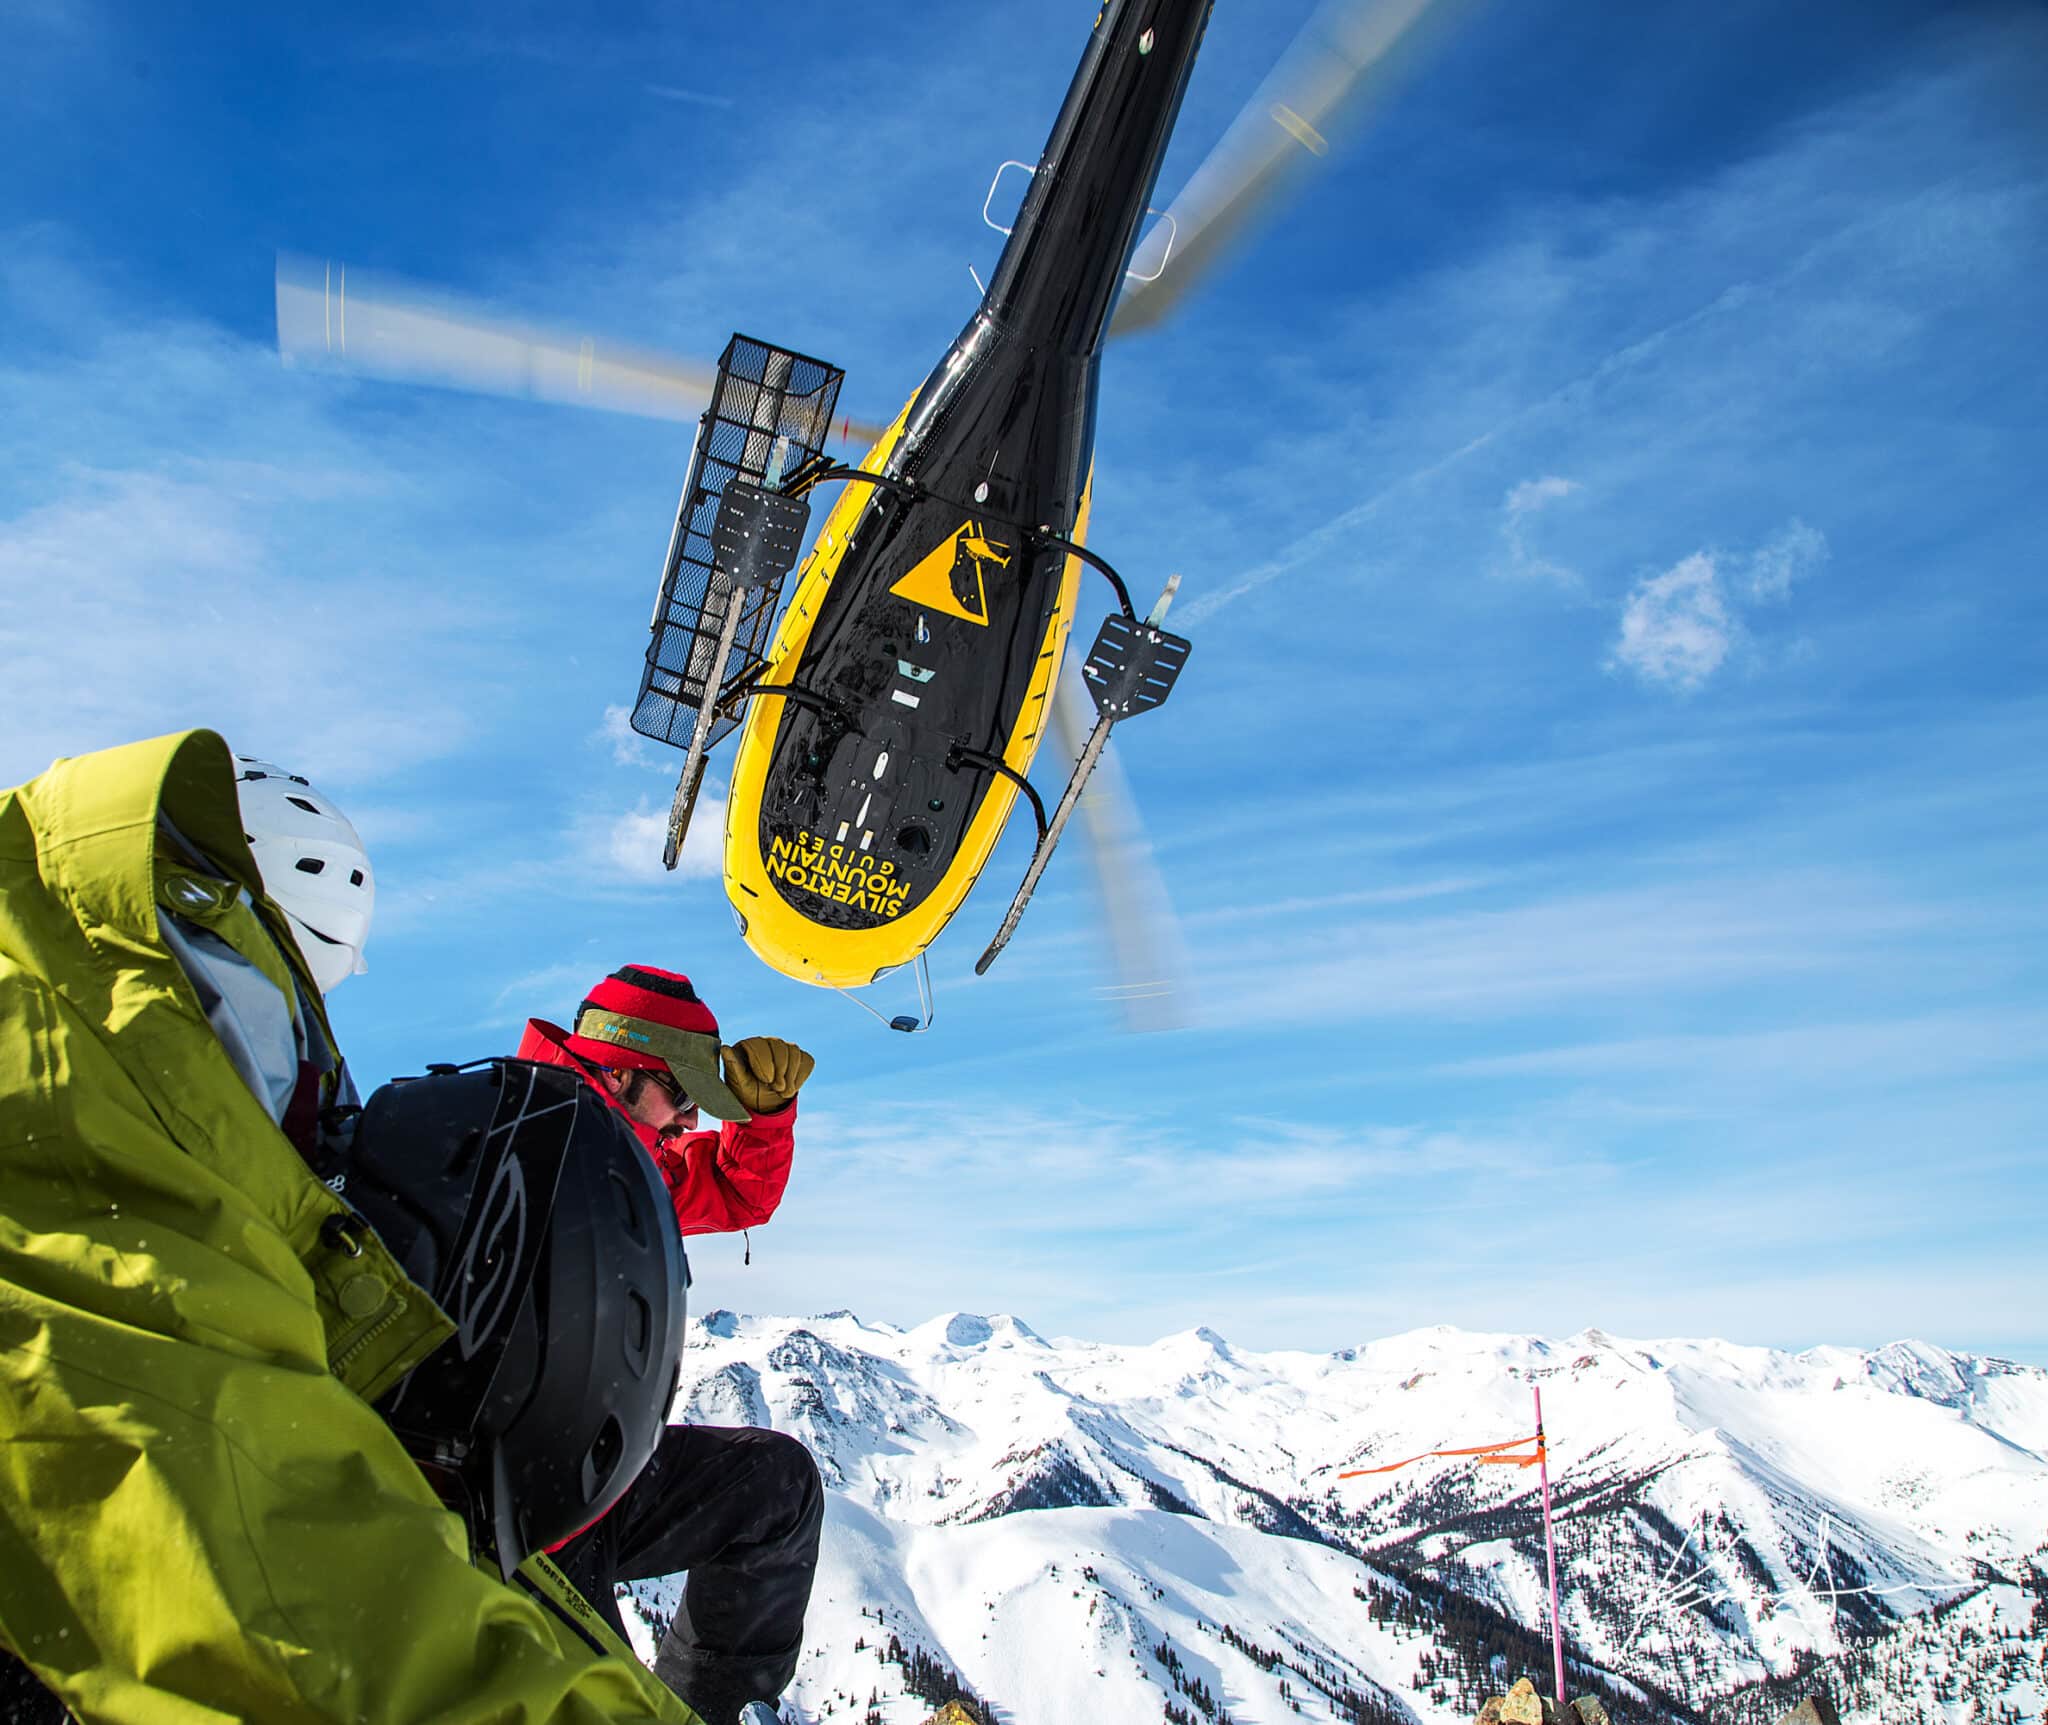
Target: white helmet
314,867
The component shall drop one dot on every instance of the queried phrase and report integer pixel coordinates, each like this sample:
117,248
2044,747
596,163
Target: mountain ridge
1730,1520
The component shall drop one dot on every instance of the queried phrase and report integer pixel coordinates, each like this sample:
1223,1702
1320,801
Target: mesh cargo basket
770,413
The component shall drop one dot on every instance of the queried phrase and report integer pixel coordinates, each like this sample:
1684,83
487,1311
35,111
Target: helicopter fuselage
930,617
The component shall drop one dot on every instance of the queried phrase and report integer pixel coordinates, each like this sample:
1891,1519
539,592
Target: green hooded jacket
201,1516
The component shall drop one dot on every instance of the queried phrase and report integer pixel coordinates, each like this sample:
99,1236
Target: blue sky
1604,808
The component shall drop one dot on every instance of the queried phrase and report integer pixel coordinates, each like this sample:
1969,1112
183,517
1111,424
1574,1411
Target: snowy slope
1085,1531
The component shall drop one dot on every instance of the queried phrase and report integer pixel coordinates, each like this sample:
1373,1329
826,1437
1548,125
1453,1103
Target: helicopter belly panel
854,831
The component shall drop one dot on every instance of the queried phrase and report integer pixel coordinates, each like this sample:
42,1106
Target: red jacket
719,1182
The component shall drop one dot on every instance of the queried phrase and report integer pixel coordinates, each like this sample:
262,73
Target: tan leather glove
765,1072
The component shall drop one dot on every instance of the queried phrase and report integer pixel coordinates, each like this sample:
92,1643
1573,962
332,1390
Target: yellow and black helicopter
888,720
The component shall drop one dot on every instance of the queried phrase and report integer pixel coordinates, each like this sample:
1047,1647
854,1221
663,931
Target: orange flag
1484,1453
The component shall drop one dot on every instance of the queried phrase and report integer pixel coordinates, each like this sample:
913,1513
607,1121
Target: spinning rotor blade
1148,957
1302,100
329,315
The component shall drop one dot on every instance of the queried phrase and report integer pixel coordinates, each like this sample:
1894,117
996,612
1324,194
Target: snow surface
1046,1516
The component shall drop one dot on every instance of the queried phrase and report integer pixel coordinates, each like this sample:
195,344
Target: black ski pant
740,1508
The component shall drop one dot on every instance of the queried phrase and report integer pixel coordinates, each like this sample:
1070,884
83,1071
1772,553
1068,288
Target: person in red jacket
645,1040
740,1508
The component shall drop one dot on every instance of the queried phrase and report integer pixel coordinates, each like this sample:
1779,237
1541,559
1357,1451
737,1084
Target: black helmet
525,1206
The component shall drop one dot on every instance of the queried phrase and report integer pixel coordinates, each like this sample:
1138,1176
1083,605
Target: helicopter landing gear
1131,669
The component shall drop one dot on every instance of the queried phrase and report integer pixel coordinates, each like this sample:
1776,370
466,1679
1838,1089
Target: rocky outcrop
1814,1710
1521,1705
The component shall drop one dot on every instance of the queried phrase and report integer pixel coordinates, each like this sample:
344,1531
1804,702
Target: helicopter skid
1131,669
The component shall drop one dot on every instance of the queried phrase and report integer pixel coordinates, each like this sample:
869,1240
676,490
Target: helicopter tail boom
1064,263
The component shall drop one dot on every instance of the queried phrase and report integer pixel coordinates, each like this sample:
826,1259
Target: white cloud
1533,494
1038,1168
1523,502
634,841
612,858
1680,627
1323,904
539,992
1794,553
142,603
1866,1054
627,848
1676,628
1682,938
629,748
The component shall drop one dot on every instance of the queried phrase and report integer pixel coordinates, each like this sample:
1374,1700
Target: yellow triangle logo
951,577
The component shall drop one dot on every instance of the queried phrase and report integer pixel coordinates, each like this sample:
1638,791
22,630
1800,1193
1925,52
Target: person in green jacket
201,1512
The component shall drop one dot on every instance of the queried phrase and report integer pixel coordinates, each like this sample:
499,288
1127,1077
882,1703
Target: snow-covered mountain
1084,1532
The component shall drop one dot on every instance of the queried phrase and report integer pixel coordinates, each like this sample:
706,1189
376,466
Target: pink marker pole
1550,1554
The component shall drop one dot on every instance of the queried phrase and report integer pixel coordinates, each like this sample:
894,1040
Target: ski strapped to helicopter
888,716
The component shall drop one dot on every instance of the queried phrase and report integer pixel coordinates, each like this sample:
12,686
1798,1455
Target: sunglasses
668,1085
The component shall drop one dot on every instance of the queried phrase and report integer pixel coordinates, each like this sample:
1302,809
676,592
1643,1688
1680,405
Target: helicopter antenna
911,1024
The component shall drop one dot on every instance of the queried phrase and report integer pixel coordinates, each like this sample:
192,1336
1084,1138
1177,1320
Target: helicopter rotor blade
1148,956
331,316
1316,84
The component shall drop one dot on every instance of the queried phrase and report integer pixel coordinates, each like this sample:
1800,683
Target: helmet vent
629,1214
605,1451
301,803
310,865
639,1330
355,877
